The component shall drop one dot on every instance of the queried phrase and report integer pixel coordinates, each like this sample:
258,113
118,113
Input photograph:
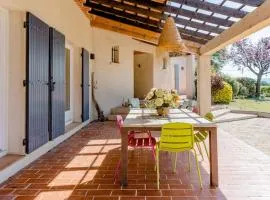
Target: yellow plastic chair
175,138
201,136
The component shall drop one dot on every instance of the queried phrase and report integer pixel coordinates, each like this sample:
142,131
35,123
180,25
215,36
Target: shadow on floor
83,167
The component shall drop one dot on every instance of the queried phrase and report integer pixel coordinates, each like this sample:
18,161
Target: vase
163,111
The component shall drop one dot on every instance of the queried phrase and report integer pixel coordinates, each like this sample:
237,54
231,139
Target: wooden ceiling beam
198,16
146,21
198,25
124,6
148,3
124,20
136,32
254,3
123,14
212,8
254,21
144,26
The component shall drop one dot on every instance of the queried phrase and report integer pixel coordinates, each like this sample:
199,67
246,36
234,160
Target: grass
250,105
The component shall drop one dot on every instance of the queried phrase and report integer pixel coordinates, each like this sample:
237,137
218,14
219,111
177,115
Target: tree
218,60
253,56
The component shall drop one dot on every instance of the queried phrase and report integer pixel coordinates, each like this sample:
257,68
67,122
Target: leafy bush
243,91
250,84
224,95
216,83
234,83
266,91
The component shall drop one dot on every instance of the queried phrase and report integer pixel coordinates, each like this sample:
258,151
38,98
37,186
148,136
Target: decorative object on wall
182,68
170,39
92,56
115,54
164,65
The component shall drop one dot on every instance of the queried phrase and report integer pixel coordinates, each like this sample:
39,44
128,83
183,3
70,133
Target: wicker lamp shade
170,39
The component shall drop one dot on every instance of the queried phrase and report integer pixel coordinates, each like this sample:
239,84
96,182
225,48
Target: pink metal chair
136,139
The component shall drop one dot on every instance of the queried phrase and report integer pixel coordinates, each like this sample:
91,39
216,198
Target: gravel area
255,132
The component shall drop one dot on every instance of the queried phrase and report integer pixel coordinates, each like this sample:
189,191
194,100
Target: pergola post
204,84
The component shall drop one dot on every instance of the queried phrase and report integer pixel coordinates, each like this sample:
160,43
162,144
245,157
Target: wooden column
204,84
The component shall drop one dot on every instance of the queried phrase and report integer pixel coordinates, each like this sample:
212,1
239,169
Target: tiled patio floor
83,168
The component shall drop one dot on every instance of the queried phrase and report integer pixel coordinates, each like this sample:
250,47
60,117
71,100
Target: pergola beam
98,9
212,8
253,22
254,3
184,34
198,16
123,6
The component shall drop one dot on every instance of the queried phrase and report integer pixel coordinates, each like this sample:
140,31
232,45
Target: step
229,117
219,107
120,110
220,112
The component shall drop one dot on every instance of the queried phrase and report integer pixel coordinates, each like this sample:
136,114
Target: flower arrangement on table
162,100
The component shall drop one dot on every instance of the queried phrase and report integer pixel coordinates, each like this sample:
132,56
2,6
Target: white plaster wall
116,81
143,74
4,35
16,91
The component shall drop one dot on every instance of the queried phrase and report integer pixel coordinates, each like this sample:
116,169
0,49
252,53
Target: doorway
143,73
177,77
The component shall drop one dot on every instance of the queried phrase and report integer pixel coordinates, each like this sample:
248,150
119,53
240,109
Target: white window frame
3,81
69,115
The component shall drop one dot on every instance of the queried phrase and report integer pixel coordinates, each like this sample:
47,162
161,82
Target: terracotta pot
163,111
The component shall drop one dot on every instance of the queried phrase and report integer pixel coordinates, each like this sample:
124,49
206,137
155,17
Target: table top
139,117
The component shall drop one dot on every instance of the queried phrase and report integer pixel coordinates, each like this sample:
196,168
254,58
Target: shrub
243,91
265,89
224,95
216,83
250,84
234,83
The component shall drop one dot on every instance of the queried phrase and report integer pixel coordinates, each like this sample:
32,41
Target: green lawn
250,105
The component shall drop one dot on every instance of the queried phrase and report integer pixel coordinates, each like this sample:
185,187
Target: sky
233,71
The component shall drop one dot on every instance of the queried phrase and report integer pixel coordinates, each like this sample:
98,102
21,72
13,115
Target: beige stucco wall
143,74
116,81
66,17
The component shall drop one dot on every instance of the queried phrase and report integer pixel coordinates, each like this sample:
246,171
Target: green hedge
224,95
265,90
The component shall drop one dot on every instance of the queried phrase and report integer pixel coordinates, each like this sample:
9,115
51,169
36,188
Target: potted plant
162,100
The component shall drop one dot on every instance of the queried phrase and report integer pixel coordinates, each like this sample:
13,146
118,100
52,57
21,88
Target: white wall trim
29,158
4,33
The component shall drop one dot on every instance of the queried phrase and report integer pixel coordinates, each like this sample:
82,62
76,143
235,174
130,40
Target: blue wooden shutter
37,82
85,85
57,84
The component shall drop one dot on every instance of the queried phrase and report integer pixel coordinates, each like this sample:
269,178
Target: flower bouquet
162,100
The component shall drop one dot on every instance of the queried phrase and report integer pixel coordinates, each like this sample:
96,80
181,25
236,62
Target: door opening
68,83
177,78
143,73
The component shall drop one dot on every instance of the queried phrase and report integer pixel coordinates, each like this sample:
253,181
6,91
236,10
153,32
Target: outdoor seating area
134,100
83,167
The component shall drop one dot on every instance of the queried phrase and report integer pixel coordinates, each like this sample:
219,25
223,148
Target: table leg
124,156
213,157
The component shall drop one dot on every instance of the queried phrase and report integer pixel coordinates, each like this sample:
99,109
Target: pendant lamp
170,39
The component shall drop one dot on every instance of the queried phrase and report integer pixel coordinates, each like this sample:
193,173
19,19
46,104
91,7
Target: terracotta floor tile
83,167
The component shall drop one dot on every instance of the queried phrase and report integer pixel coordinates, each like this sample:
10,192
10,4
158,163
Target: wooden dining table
147,119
